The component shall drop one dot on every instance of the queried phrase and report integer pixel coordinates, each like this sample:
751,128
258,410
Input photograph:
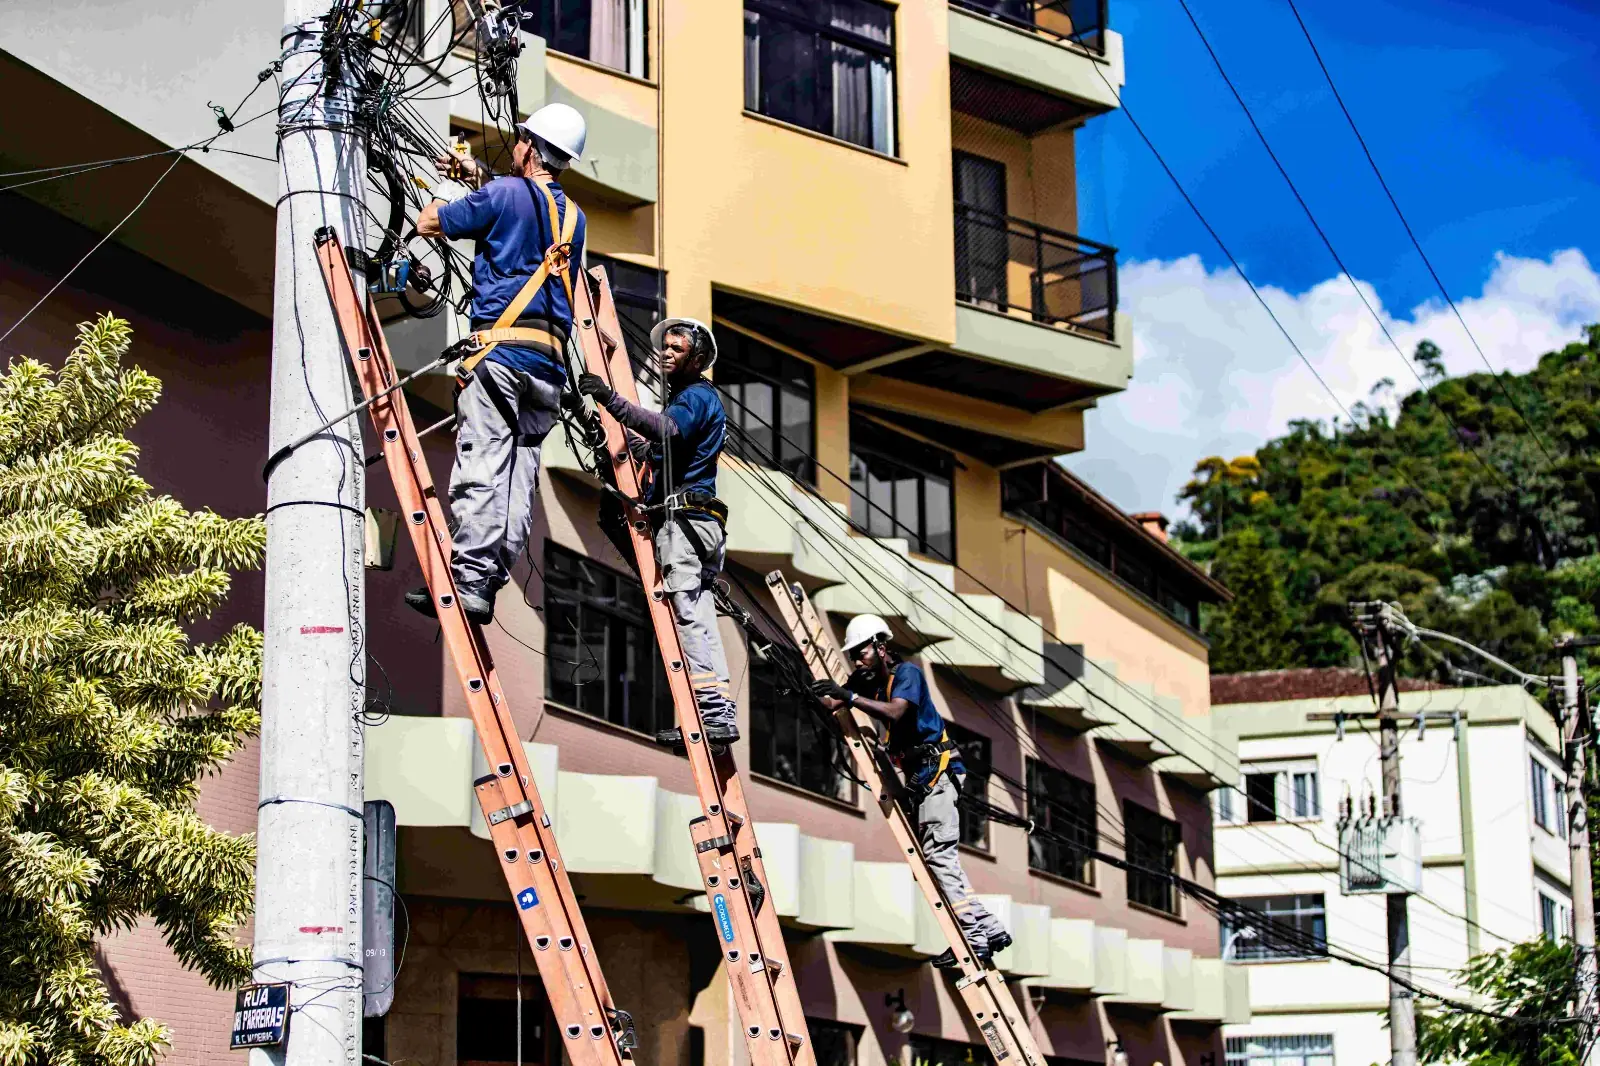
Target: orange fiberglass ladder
982,987
724,835
596,1032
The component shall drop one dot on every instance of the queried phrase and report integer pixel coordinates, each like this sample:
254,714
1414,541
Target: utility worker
682,444
530,240
895,692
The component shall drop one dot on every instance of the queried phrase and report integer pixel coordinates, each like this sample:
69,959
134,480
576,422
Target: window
1250,939
1066,829
901,487
771,405
834,1043
608,32
1272,793
599,645
486,1022
1152,848
1549,798
931,1051
975,757
639,293
789,742
1555,918
825,67
1314,1050
982,247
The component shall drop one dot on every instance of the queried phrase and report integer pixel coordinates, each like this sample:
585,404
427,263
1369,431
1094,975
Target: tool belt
919,757
556,263
680,505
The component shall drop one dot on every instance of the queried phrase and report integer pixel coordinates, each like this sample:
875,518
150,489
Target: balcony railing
1082,22
1010,264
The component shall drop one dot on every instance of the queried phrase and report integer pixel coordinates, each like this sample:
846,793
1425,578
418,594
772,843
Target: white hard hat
658,335
561,127
863,628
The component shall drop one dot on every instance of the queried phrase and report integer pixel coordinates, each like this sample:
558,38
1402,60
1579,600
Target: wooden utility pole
1374,625
1575,737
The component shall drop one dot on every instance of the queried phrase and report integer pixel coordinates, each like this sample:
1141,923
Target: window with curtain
1305,912
825,65
901,487
1066,825
789,742
1272,793
1152,849
600,648
1291,1050
608,32
770,397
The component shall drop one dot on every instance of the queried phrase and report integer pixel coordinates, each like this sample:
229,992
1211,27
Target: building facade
877,211
1494,857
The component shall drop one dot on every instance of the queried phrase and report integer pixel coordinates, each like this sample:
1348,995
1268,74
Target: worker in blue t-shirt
682,444
510,386
896,692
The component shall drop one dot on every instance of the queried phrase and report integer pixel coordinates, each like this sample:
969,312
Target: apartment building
875,205
1494,856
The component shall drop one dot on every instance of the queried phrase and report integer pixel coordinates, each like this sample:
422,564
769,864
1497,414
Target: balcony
1032,65
1019,267
1080,22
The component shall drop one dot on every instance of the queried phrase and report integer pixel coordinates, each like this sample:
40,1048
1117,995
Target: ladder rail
982,987
519,824
756,960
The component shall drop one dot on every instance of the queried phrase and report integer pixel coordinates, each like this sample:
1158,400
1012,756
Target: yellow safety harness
557,260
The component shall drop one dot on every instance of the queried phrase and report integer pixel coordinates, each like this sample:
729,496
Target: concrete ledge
1100,366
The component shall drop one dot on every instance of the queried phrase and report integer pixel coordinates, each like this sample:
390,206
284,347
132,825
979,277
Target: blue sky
1484,118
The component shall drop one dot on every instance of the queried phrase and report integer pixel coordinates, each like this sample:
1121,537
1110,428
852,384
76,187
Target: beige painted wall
796,218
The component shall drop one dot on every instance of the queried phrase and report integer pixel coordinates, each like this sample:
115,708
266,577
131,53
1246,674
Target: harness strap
511,334
557,258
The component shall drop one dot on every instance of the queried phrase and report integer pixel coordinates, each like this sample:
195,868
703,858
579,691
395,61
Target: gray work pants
687,571
496,473
939,827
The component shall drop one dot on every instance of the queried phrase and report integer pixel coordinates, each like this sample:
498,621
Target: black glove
829,689
639,448
595,386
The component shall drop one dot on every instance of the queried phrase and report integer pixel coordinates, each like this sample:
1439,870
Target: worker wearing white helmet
896,692
682,443
530,239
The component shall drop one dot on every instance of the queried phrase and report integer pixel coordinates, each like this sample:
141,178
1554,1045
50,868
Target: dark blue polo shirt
921,723
702,427
510,221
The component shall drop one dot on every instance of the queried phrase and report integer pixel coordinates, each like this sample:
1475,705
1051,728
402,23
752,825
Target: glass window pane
908,508
938,519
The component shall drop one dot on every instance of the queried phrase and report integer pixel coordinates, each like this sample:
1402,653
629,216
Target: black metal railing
1082,22
1011,264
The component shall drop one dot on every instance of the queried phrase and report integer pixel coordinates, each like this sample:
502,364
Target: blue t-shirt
510,221
921,723
702,427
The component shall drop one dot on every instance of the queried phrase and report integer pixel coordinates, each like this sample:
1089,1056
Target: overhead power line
1415,243
1327,242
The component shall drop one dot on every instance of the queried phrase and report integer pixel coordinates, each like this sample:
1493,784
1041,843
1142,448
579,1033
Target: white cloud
1213,376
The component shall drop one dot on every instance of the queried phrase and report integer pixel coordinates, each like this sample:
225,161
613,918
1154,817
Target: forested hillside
1476,504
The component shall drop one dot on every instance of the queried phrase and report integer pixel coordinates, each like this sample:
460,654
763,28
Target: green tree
1219,484
1252,632
1532,980
109,714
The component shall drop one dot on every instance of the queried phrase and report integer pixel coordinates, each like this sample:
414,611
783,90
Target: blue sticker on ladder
527,899
724,919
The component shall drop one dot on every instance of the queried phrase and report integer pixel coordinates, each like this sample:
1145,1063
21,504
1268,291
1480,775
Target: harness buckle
558,257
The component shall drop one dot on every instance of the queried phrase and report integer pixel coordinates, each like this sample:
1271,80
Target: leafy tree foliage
1536,979
109,714
1444,501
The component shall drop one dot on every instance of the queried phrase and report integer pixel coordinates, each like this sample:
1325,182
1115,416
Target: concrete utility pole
1402,1008
1574,738
309,849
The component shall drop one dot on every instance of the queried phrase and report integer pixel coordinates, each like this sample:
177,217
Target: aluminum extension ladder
724,835
982,987
595,1032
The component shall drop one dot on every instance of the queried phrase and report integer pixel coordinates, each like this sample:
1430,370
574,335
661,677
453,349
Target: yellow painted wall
772,211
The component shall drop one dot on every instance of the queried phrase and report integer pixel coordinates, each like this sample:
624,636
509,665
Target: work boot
999,942
947,959
718,736
479,609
